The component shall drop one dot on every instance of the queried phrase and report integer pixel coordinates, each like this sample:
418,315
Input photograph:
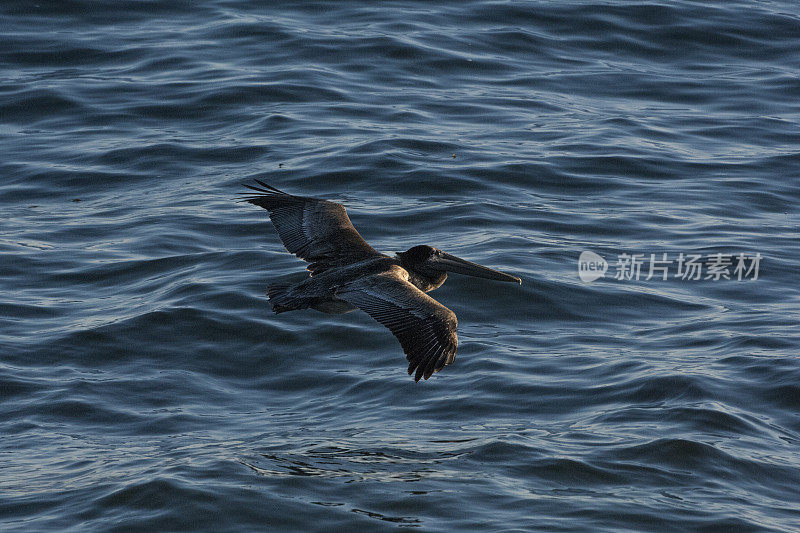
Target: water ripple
145,384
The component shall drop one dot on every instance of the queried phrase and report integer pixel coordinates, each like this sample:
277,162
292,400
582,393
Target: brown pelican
348,273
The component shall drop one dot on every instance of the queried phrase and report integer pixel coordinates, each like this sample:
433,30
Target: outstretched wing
317,231
425,328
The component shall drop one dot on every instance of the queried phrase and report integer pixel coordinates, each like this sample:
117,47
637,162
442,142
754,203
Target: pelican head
432,262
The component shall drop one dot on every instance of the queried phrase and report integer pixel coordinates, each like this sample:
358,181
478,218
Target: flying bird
347,273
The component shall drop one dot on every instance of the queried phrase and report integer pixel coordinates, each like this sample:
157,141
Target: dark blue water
146,384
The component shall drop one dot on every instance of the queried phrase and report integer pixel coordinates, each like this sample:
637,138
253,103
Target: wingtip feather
267,186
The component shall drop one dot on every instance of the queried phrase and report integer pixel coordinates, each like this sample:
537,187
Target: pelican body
347,274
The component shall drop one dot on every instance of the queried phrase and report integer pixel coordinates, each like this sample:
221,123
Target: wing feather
317,231
425,328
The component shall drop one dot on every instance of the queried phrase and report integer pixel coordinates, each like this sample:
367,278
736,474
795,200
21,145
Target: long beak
451,263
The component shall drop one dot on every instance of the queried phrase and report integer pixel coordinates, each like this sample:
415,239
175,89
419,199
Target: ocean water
146,385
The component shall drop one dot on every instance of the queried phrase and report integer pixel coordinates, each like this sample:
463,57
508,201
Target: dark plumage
348,273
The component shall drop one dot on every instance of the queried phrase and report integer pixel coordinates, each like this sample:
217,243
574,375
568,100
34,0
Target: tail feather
281,300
